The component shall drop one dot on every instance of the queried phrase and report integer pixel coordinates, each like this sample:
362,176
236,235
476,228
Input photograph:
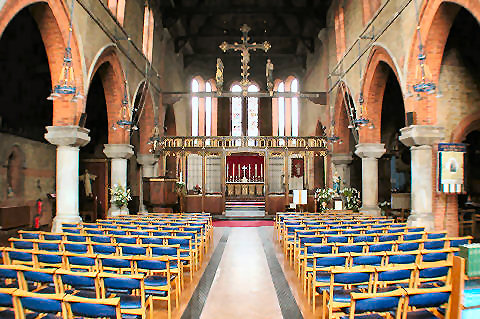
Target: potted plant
197,189
181,190
323,196
119,197
351,197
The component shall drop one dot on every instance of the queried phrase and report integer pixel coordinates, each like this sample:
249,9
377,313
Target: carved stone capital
118,150
72,135
370,150
415,135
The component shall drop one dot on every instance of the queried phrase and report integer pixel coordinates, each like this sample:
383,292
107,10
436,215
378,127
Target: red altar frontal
245,168
245,176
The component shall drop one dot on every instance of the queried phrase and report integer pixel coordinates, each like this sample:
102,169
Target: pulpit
159,192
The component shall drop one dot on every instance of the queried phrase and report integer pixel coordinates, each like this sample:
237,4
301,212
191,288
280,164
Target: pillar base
371,210
59,220
422,220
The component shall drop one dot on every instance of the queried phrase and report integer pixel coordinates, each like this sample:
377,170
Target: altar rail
176,143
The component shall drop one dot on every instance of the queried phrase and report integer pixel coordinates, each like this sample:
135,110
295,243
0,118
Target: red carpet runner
242,223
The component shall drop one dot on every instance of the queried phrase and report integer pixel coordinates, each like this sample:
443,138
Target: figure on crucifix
245,48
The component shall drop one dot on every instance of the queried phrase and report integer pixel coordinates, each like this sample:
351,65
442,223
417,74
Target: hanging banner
297,167
451,167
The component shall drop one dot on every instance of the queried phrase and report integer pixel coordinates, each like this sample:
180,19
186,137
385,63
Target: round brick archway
113,81
52,18
436,19
379,64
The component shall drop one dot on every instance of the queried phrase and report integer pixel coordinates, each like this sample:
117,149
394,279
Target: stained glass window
252,112
281,111
236,112
208,111
294,88
195,87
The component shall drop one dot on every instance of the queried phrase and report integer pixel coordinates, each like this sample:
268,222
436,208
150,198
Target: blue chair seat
370,316
421,314
155,281
184,254
46,290
8,314
129,301
158,293
323,277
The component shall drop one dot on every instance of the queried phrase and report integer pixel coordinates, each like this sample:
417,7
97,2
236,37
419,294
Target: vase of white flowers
323,197
119,197
351,196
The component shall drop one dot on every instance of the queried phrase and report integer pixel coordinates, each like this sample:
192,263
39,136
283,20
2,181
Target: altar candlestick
261,171
227,172
256,170
249,173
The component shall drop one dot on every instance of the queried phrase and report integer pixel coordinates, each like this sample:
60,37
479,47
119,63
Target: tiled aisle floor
242,287
235,280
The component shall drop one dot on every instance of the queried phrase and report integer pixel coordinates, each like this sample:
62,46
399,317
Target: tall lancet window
252,110
195,88
208,111
281,111
286,111
236,112
294,88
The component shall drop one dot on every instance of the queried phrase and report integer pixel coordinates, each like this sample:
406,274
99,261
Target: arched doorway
394,165
93,164
26,81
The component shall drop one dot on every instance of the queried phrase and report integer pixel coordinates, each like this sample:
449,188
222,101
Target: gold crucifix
245,47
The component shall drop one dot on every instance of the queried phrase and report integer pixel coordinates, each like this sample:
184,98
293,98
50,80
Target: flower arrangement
197,189
181,189
324,196
352,198
120,195
384,206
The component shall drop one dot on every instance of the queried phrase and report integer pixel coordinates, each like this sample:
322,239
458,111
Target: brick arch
341,120
113,81
52,17
436,19
467,125
147,119
374,80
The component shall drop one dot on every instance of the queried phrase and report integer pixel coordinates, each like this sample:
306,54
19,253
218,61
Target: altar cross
244,168
245,48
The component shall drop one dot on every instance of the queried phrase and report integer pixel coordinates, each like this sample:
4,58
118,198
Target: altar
245,176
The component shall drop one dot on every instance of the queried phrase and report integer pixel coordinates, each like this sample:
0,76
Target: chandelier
423,75
332,138
126,121
66,83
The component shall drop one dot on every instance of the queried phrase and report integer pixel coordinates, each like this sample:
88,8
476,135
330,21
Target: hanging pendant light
125,122
66,83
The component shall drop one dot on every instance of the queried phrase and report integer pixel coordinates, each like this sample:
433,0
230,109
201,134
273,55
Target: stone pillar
68,139
420,139
119,155
147,162
341,165
370,153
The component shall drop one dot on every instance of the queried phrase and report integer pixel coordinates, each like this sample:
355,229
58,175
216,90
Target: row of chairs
329,264
317,269
86,251
88,259
17,303
136,290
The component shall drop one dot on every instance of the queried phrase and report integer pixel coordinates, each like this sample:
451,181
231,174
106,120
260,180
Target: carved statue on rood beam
219,76
269,75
